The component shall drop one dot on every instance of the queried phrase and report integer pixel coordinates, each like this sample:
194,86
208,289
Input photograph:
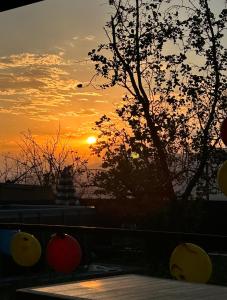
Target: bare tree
42,163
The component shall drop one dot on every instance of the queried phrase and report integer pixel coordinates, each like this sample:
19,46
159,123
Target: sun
91,140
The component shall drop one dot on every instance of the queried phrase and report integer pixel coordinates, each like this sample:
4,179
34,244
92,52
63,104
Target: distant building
65,189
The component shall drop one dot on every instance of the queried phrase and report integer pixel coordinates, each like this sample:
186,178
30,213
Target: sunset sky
41,45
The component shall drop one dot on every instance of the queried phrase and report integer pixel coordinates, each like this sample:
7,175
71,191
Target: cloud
42,87
42,114
45,118
71,44
83,112
36,83
83,99
87,112
93,94
8,111
30,59
101,101
10,81
7,92
89,37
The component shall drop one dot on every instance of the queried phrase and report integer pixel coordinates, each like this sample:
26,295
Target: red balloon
224,131
63,253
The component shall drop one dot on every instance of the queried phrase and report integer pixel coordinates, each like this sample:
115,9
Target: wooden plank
125,287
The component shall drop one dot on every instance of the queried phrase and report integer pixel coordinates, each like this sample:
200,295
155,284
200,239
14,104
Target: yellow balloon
191,263
25,249
222,178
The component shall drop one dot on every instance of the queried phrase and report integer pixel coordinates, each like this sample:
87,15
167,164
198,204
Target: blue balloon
5,240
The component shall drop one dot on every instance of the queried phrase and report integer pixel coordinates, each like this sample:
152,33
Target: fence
141,250
159,239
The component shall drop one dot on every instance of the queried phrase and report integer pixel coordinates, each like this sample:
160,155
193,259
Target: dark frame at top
9,4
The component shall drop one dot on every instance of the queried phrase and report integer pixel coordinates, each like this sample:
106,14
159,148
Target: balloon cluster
63,252
190,263
222,172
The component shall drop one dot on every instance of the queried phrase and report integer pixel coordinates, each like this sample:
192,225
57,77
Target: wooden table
125,287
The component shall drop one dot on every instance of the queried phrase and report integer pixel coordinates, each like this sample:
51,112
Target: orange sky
39,71
41,45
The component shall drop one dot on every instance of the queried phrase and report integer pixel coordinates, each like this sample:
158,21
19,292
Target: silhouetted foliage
170,60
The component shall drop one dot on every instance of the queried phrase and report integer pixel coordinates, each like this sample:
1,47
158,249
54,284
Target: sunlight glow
94,284
91,140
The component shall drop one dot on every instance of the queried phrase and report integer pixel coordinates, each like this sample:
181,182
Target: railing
141,250
74,215
208,241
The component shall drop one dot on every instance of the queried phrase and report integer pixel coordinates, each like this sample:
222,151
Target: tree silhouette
170,60
42,163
